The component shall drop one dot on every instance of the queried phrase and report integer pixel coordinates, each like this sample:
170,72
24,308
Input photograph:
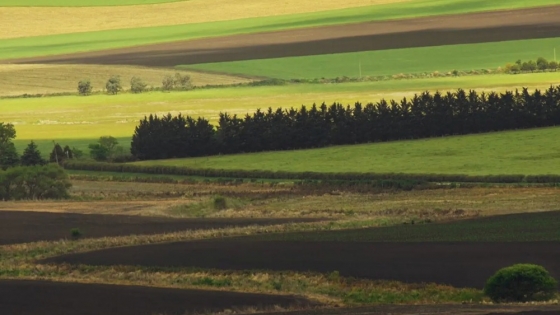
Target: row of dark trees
422,116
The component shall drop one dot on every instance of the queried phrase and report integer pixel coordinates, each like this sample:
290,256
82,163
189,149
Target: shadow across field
457,264
25,226
419,32
58,298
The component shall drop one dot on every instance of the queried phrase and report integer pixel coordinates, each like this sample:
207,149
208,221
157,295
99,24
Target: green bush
220,203
75,233
521,283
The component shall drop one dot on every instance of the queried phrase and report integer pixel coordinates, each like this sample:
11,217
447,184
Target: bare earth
419,32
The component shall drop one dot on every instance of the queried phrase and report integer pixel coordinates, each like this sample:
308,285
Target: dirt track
58,298
430,31
22,227
456,264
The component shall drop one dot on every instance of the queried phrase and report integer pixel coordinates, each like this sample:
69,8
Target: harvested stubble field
59,298
107,15
49,79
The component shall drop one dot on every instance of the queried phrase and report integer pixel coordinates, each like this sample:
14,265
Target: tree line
541,64
422,116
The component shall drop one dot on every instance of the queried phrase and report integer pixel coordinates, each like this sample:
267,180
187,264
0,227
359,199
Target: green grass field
79,42
524,227
76,3
390,62
81,120
528,152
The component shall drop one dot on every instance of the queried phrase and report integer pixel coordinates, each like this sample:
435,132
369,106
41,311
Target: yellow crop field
45,79
38,21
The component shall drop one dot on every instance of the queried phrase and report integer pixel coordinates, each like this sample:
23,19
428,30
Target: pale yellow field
36,21
45,79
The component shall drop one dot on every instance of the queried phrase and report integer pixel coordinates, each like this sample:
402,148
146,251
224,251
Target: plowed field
58,298
23,227
457,264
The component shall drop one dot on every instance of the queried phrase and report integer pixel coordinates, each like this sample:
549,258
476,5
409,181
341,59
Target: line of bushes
263,174
34,183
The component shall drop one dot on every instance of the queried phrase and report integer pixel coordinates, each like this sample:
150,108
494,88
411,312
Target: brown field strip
39,21
419,32
60,298
458,264
26,226
44,79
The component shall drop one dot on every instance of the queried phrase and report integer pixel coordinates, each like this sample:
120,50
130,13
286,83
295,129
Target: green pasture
79,121
390,62
526,227
528,152
76,3
80,42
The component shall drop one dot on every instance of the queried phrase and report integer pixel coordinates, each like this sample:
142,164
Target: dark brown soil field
24,226
419,32
58,298
436,310
457,264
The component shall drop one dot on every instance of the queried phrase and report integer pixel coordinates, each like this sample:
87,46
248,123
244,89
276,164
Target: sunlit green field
394,61
76,42
83,119
514,152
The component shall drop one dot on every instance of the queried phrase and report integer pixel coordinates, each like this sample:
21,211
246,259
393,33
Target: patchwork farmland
405,203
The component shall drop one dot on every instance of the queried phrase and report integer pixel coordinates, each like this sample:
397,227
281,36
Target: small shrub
167,83
521,283
76,233
113,85
220,203
137,85
84,87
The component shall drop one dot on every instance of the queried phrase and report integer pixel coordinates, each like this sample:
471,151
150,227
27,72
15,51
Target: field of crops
159,25
393,61
49,79
493,153
80,120
75,3
524,227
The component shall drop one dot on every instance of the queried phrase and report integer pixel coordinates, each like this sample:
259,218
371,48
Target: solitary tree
32,156
113,85
84,87
137,85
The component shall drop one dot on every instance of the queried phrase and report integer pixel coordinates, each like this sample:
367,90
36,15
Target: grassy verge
79,121
392,62
76,42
